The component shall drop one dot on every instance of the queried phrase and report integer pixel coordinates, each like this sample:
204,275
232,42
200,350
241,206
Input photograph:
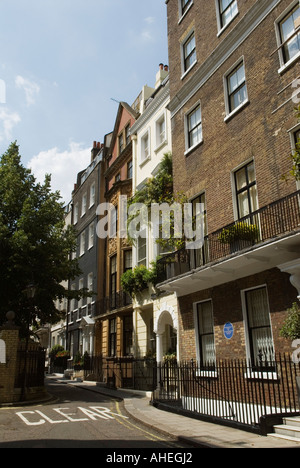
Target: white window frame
202,373
229,113
284,65
253,374
188,148
219,21
160,142
145,155
90,286
181,14
76,213
82,244
91,235
92,194
83,204
186,39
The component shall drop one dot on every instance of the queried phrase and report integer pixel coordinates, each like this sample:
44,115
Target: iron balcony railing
113,302
270,222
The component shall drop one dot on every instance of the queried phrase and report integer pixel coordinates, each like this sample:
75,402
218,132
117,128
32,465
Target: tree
291,326
35,245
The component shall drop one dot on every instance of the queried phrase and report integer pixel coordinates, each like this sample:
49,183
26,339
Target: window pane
228,9
206,333
241,179
288,27
260,325
244,208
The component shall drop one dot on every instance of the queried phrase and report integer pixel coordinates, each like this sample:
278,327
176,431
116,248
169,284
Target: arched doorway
165,328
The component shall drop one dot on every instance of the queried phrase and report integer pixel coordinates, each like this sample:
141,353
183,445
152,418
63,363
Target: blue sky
61,63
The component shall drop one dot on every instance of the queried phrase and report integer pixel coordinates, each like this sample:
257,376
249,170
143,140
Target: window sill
260,375
288,64
208,374
160,146
192,148
188,70
142,163
236,110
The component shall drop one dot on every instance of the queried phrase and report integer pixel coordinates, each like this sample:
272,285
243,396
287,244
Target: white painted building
155,316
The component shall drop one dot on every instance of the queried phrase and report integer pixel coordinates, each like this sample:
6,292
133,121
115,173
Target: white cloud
31,89
150,19
8,120
62,165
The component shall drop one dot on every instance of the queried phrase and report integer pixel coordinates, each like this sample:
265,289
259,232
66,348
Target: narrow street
77,418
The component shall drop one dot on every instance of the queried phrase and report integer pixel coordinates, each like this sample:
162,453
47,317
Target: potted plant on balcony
239,236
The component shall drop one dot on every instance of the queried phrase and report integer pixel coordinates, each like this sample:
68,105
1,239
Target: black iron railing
30,367
270,222
235,392
115,301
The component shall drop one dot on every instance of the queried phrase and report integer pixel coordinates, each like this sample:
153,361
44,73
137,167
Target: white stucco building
155,314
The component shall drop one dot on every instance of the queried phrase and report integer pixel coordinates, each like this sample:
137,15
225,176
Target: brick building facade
114,327
233,67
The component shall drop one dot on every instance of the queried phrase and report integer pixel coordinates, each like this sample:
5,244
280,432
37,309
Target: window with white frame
160,127
228,9
260,338
82,244
91,235
92,194
205,321
189,52
145,147
289,34
90,286
80,286
194,127
83,204
236,88
184,5
76,213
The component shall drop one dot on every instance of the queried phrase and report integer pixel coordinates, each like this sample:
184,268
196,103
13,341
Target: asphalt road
78,419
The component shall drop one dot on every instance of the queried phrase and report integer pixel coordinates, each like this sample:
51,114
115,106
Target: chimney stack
95,150
161,74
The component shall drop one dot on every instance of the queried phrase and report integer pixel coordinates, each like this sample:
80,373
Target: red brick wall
227,307
256,132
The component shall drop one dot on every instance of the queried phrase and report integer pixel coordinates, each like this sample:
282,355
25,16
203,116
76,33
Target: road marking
92,412
149,435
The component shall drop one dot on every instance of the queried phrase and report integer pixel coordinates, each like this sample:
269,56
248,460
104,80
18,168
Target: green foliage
158,190
138,279
239,231
55,350
291,326
35,246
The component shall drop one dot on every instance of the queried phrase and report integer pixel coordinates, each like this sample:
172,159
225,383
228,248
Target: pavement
191,431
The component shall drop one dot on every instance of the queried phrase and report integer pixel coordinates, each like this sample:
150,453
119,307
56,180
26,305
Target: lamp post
30,293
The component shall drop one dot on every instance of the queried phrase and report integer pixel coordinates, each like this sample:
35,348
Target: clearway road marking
93,413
